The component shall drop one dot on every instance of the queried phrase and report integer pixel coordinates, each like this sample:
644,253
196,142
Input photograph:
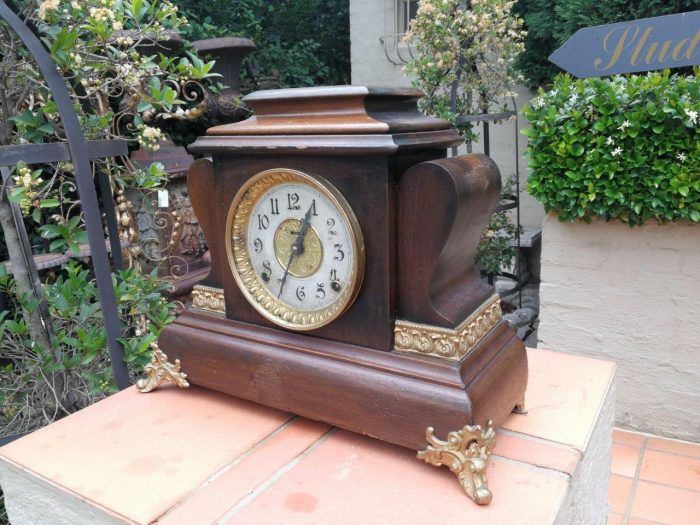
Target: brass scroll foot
159,371
465,452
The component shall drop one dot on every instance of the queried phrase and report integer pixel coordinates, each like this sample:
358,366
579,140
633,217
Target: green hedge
624,148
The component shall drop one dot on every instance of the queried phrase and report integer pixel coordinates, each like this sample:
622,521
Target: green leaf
577,149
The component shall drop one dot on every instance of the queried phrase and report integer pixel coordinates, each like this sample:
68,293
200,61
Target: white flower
692,115
101,14
624,125
610,141
616,152
538,102
46,6
681,157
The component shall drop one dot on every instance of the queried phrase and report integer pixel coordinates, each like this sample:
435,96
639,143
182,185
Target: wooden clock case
421,216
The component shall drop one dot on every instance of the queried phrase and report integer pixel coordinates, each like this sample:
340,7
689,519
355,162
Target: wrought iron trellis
80,152
513,201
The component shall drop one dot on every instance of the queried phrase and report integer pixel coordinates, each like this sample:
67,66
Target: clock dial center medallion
304,262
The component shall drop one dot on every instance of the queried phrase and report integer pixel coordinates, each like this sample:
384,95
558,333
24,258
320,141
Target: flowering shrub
121,85
75,367
624,148
472,46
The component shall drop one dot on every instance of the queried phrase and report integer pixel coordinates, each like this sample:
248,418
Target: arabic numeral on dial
320,292
263,222
339,253
275,207
300,293
293,201
267,271
313,208
257,245
331,223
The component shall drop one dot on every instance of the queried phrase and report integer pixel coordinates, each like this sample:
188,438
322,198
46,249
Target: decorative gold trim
250,283
208,298
447,343
466,453
159,371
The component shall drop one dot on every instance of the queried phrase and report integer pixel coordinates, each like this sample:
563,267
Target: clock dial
295,248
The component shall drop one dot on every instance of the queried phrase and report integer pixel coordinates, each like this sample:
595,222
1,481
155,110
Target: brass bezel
253,289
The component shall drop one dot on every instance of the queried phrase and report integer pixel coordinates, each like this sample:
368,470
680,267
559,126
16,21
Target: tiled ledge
654,480
197,457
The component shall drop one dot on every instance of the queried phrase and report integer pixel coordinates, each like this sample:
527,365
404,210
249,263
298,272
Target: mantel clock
342,285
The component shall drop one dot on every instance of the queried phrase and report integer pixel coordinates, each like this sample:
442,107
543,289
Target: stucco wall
631,295
370,66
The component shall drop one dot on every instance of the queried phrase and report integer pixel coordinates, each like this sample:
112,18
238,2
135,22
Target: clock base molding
388,395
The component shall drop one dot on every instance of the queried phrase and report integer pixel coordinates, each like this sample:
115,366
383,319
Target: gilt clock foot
465,452
160,371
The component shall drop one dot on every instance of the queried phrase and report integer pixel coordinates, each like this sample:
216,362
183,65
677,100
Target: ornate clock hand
297,247
286,270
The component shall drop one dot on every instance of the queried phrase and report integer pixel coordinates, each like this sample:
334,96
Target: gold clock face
295,248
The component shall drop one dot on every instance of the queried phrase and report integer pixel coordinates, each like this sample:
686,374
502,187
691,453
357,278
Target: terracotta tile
671,469
619,492
615,519
548,455
624,437
640,521
674,446
624,460
564,395
349,471
667,505
153,460
213,500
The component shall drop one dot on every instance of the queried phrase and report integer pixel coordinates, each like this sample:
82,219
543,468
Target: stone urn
229,52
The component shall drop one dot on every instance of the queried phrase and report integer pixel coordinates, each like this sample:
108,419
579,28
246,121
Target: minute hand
297,247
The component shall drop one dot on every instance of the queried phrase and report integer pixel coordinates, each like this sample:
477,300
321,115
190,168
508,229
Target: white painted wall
631,295
370,21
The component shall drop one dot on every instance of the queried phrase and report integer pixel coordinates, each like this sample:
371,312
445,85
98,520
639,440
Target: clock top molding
350,120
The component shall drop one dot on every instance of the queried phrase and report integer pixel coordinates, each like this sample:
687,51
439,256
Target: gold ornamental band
448,343
208,298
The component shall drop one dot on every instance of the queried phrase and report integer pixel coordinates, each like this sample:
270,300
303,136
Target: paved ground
654,481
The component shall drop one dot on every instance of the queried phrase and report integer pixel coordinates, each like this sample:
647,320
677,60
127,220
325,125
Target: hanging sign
646,44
